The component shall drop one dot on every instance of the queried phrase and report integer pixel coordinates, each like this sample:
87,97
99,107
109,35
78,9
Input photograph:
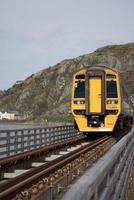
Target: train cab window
79,91
111,89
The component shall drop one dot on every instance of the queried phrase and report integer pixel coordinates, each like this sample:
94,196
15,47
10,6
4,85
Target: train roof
98,65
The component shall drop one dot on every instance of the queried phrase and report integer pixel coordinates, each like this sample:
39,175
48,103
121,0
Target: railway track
56,173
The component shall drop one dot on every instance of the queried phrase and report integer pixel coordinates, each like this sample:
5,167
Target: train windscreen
79,91
111,89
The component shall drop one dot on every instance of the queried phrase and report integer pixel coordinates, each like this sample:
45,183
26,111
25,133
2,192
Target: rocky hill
46,94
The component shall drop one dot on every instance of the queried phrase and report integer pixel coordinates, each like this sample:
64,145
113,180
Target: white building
5,115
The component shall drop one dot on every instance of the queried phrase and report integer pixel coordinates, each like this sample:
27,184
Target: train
100,101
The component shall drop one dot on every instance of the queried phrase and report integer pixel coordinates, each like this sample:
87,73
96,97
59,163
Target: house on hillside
6,115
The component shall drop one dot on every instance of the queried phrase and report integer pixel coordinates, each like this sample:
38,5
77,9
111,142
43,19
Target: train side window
79,91
111,89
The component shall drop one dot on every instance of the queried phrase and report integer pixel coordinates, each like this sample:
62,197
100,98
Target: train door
95,94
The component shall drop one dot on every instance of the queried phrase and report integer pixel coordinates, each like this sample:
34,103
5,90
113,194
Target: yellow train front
96,102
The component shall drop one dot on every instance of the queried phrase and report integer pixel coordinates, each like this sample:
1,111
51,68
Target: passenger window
111,89
79,91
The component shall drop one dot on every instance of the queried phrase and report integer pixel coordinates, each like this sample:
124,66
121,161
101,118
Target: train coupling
94,120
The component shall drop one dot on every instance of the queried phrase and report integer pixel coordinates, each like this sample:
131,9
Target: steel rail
26,180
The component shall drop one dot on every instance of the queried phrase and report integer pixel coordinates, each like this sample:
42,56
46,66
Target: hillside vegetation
46,94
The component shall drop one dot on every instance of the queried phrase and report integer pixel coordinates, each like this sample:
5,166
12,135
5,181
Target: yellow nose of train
96,99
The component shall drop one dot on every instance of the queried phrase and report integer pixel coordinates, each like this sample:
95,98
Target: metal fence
20,140
107,179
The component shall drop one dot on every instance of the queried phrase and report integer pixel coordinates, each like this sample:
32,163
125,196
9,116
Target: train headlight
79,102
108,101
112,101
82,102
116,101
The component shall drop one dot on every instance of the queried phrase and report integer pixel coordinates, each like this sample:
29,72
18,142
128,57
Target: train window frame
81,94
109,92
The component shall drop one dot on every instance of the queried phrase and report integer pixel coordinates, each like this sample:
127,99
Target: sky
36,34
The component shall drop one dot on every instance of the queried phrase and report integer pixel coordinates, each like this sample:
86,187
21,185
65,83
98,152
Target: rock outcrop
46,94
